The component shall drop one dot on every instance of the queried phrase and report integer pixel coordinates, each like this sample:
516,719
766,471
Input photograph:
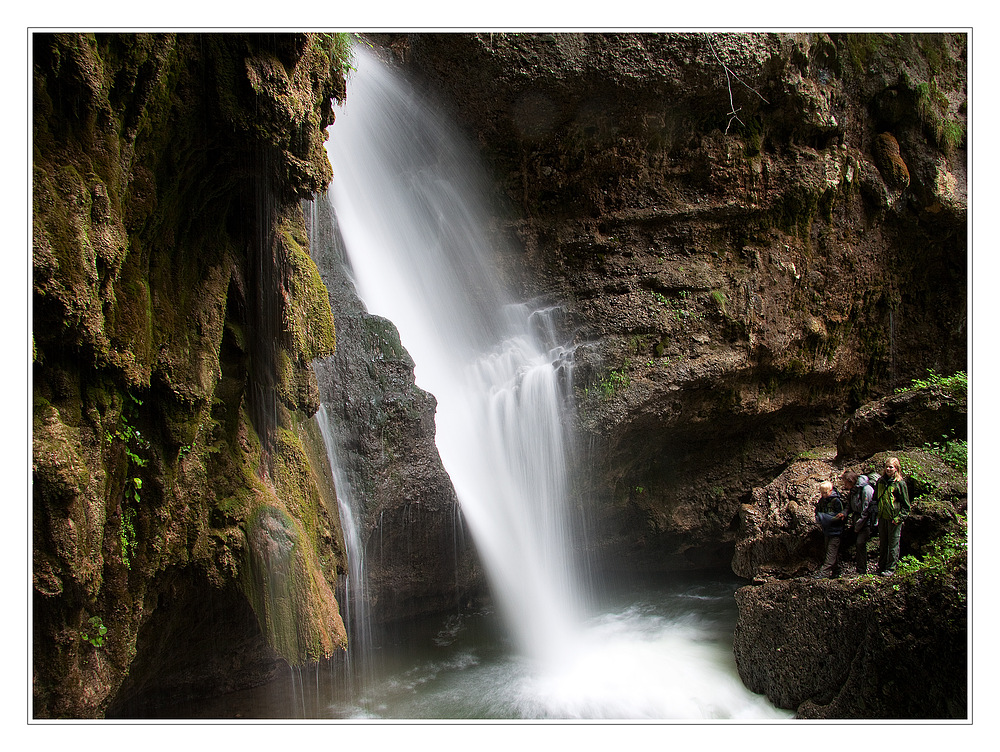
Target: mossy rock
294,603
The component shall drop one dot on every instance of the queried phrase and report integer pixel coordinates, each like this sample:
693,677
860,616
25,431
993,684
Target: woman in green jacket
893,499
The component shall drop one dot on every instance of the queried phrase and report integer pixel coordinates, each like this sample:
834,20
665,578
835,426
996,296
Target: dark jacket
893,499
827,509
861,501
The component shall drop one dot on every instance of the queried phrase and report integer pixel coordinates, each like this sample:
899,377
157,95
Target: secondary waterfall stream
409,204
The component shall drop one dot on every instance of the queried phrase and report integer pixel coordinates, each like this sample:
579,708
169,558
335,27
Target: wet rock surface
171,383
418,554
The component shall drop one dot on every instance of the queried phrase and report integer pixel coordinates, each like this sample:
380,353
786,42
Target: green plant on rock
134,445
957,384
617,379
130,436
678,307
719,298
933,109
126,531
95,634
340,48
953,451
939,558
956,454
925,482
950,135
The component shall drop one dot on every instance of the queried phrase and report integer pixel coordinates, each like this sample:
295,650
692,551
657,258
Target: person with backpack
830,515
893,500
863,513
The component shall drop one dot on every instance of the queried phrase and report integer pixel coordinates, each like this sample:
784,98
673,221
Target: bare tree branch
732,107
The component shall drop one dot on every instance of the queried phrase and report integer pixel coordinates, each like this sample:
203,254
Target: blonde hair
825,486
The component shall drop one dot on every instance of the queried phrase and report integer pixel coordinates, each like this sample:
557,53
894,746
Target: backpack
853,498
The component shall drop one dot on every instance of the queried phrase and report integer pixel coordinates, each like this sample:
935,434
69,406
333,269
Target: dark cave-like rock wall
175,316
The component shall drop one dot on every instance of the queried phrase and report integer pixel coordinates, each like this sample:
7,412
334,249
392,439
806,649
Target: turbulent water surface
659,653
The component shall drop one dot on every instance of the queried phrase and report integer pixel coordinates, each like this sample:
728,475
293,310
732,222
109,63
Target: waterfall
412,212
413,215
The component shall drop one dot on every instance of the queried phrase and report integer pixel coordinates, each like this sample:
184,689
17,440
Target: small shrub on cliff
957,384
956,454
613,382
126,532
95,634
719,298
942,556
340,48
933,108
134,445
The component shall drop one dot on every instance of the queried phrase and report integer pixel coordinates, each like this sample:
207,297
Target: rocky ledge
863,645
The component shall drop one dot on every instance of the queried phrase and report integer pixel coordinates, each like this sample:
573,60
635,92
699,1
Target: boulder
910,418
861,648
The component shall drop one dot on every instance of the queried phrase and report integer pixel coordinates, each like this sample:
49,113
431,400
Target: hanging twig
732,106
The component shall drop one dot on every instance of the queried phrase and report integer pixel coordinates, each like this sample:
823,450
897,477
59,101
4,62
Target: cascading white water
356,615
408,207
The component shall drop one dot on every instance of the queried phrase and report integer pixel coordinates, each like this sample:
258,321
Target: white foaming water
631,664
410,209
656,659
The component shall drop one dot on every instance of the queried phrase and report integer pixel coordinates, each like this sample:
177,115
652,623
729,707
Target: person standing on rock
830,515
893,500
863,514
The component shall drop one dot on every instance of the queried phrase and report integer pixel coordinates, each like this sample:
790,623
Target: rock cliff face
179,497
859,648
753,234
418,555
